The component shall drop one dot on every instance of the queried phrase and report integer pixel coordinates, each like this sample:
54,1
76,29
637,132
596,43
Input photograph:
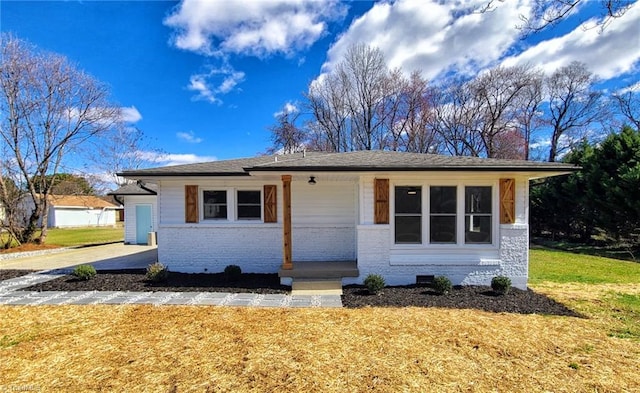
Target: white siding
130,203
62,217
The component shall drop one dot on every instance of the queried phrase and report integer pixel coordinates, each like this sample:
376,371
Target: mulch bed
8,274
135,281
355,296
468,296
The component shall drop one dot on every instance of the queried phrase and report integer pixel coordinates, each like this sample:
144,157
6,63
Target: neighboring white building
140,211
401,215
80,211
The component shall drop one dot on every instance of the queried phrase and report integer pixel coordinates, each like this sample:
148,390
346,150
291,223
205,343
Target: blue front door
143,223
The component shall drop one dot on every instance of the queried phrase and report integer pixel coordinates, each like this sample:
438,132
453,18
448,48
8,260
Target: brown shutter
507,201
381,198
191,203
270,203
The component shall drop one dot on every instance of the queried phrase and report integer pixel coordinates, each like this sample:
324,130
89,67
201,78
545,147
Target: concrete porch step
306,286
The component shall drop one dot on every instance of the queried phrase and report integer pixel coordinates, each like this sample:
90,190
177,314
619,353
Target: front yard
71,237
195,348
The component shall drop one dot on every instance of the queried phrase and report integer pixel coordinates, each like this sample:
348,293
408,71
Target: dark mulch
135,281
8,274
470,297
473,297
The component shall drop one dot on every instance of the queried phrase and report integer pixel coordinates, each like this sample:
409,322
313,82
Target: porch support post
287,264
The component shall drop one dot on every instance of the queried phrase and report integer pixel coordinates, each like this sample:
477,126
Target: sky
205,79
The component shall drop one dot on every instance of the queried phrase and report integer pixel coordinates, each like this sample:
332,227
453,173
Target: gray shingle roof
135,189
357,161
235,167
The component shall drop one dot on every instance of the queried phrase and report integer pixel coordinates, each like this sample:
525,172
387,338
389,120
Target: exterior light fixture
312,180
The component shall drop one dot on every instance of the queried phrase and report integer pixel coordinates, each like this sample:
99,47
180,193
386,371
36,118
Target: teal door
143,223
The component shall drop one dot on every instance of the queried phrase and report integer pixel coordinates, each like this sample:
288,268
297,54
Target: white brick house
401,215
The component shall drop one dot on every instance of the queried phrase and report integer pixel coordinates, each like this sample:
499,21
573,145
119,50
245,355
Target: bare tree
327,101
454,118
363,72
50,108
115,150
545,13
628,103
528,110
348,103
286,135
498,95
573,105
406,113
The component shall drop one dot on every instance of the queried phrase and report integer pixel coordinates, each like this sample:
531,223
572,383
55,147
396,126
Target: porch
317,277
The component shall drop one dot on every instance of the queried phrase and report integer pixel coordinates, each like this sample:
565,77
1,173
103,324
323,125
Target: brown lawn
213,349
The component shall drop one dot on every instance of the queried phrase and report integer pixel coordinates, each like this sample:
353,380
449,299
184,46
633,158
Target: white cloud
608,53
189,137
434,37
166,159
257,28
217,81
130,114
289,107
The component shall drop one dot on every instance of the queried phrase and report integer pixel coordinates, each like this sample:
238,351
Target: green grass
627,311
565,267
68,237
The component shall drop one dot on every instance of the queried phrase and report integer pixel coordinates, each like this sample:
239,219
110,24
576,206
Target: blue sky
203,79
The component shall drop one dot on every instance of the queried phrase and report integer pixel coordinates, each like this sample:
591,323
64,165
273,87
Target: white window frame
460,214
202,208
237,205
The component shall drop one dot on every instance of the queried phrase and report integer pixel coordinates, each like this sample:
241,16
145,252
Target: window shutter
507,201
381,198
270,203
191,203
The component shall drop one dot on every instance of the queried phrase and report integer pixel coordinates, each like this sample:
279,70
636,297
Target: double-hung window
477,215
215,205
249,207
442,214
408,215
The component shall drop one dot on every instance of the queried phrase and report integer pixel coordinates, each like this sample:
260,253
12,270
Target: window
215,205
249,207
408,215
442,214
477,215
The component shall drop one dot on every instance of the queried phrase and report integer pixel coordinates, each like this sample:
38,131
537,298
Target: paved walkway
121,257
110,256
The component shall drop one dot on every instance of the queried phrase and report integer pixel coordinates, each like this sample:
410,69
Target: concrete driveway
110,256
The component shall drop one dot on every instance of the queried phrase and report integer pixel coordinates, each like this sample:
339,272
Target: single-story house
406,216
140,211
80,211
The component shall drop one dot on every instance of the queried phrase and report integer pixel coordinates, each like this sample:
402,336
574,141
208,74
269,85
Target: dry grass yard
209,349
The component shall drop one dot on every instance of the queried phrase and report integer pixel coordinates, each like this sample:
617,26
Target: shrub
442,285
501,284
84,272
157,272
374,283
233,272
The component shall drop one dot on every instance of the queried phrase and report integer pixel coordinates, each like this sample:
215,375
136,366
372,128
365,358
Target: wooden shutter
507,201
381,198
270,203
191,203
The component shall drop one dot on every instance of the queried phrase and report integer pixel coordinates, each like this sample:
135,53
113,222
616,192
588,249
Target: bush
157,272
501,284
442,285
374,283
84,272
233,272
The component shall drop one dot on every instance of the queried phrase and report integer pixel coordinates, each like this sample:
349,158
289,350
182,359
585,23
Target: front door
144,224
